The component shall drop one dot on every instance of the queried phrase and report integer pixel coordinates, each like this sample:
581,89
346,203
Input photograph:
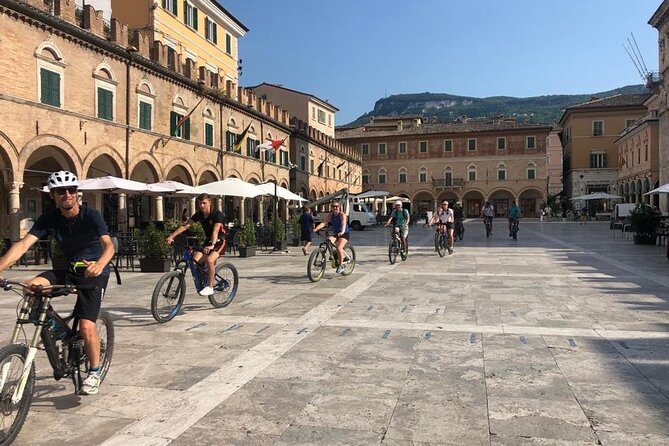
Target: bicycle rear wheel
441,248
13,415
350,265
105,328
393,249
515,232
168,296
316,265
227,280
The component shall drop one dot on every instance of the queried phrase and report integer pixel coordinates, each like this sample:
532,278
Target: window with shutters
179,128
210,30
598,160
402,147
501,172
145,115
171,6
471,144
49,87
382,176
402,176
365,178
365,149
209,133
597,128
228,43
190,15
230,138
531,142
531,172
105,104
471,173
501,143
382,148
422,147
448,145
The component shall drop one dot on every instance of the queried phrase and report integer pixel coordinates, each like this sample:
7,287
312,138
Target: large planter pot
281,246
645,239
154,265
296,241
246,251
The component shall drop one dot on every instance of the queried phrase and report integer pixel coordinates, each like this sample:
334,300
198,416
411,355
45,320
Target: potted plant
154,248
644,221
247,240
297,229
279,230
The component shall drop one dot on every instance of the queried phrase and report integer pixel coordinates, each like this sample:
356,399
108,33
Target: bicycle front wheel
350,265
393,249
168,296
316,265
227,280
441,249
13,415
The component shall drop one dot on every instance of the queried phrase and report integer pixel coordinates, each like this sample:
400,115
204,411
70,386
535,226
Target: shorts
404,231
218,246
306,236
346,236
88,301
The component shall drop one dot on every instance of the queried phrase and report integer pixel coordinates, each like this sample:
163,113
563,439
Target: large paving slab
560,338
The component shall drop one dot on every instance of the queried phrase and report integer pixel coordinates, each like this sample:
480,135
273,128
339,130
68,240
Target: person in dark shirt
85,242
214,237
306,228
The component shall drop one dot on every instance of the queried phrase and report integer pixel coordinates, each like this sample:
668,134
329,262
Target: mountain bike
459,229
395,246
441,239
327,253
514,229
59,337
170,291
487,221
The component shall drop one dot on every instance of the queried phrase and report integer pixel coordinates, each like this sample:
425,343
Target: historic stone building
88,96
471,161
554,162
589,132
659,82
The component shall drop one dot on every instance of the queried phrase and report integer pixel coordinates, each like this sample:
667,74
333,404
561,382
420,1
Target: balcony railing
448,182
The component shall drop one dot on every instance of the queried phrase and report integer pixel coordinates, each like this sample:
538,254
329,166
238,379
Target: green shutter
145,115
185,11
195,18
164,4
50,87
174,118
215,36
209,134
175,7
186,130
105,104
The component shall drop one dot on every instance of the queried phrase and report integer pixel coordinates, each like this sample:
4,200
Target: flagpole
183,121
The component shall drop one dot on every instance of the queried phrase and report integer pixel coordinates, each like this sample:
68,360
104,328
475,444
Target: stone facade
78,99
472,161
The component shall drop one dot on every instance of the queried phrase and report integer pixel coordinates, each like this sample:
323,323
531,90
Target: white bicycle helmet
62,178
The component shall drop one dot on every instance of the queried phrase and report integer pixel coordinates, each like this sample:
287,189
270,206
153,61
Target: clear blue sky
353,52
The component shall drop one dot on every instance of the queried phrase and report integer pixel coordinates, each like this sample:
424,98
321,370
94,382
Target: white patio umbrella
664,189
371,194
118,185
396,198
174,186
281,192
597,196
233,187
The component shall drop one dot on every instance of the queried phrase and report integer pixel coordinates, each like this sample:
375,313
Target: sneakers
340,269
304,250
206,291
91,384
346,260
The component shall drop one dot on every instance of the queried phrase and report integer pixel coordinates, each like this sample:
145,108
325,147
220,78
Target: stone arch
234,173
203,170
9,153
145,86
179,101
207,113
149,158
104,70
206,176
503,189
103,150
183,163
179,172
71,155
232,123
51,48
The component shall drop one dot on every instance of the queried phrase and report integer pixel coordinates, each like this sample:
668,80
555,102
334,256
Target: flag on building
320,167
341,164
237,146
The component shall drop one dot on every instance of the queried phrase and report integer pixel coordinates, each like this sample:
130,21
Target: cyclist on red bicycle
212,221
84,239
339,227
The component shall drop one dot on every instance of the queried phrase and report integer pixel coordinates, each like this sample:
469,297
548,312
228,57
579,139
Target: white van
360,216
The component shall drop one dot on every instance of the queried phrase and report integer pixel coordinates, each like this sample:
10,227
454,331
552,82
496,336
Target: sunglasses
62,190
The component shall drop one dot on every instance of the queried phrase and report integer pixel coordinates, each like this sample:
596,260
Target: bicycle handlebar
54,290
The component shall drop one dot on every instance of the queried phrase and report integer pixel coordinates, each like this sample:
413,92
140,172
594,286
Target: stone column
261,210
219,203
385,205
160,208
122,213
242,211
14,206
192,205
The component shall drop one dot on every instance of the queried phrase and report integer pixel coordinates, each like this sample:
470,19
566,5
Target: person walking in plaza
340,232
212,221
82,235
306,228
584,215
401,219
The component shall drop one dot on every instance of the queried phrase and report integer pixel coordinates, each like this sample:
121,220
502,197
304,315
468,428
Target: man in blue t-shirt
306,228
401,218
85,242
514,215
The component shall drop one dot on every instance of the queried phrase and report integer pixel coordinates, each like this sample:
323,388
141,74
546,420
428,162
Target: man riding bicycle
488,214
84,239
401,218
514,216
340,227
443,220
212,221
459,215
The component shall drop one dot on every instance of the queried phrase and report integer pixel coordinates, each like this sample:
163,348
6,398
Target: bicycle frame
198,271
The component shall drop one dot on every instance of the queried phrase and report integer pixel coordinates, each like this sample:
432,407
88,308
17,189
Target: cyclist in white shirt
444,218
488,213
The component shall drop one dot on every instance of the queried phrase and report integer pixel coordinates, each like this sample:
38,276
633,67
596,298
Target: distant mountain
448,107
